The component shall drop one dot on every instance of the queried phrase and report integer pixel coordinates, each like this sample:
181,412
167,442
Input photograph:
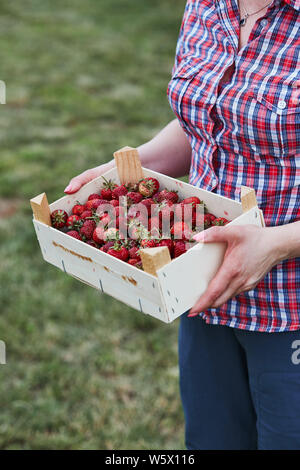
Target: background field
84,371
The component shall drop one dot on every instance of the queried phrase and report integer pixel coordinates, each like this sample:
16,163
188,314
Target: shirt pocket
188,95
274,121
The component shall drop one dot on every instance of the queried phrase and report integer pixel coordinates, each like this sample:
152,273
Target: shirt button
281,104
213,100
264,23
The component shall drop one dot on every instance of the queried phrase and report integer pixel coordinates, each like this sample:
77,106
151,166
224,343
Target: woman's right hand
88,175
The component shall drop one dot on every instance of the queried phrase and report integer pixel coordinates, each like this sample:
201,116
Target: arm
168,152
251,253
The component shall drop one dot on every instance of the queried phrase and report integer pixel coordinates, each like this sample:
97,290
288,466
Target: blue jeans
239,389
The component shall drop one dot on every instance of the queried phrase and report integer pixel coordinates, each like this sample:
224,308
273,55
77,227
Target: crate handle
40,209
155,258
248,198
128,165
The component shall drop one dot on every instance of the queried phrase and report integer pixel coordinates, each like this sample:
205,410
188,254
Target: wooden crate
174,287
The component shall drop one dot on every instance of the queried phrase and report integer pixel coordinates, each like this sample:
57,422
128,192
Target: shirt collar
294,3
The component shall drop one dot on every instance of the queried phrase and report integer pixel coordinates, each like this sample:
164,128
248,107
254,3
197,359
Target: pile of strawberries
121,219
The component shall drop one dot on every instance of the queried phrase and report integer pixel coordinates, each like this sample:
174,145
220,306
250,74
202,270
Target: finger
213,234
76,183
232,290
215,289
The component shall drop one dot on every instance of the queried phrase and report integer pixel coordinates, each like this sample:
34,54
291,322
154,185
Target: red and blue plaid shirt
244,129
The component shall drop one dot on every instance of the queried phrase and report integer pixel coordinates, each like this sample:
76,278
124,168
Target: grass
83,370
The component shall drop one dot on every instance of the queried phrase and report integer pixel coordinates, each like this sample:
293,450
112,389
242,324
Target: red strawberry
154,226
167,242
114,202
148,203
179,248
166,213
107,246
73,221
91,243
134,198
78,209
119,252
192,200
208,219
135,262
220,221
98,235
181,230
74,234
134,253
119,191
86,214
93,196
95,203
107,190
148,186
166,195
87,229
148,243
59,218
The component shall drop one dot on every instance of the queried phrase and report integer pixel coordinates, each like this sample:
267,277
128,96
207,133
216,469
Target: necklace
244,18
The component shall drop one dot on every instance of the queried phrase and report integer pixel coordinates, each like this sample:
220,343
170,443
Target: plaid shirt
245,130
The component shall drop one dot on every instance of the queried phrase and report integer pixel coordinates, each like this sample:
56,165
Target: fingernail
199,237
68,188
192,314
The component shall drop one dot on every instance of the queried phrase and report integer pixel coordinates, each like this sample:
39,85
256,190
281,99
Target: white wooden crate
177,285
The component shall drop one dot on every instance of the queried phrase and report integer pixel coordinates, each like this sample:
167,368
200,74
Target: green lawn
83,370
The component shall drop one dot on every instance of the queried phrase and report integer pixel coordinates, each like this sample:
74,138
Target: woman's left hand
251,253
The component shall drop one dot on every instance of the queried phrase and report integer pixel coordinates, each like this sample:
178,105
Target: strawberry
208,219
91,243
154,226
192,200
179,248
95,203
107,246
166,213
114,202
134,198
94,196
134,253
135,262
74,234
220,221
166,195
73,221
59,218
148,186
107,190
148,243
111,234
78,209
119,191
86,214
181,230
87,229
148,203
119,252
98,235
167,242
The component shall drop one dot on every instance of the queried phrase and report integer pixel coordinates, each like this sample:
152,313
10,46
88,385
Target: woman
234,90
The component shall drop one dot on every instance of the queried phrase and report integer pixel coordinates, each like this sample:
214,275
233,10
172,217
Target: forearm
169,152
286,240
